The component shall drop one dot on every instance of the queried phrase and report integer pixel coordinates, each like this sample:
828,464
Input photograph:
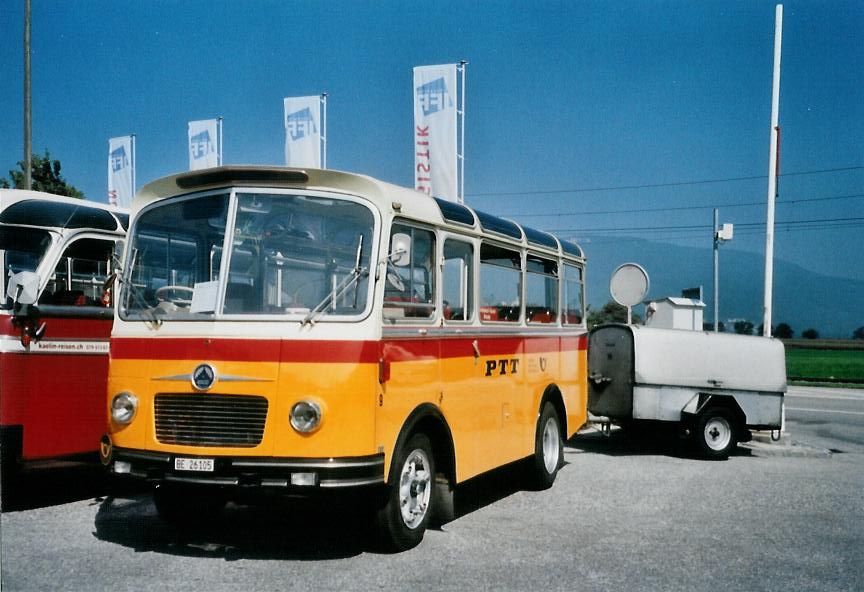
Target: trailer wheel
548,449
715,431
401,521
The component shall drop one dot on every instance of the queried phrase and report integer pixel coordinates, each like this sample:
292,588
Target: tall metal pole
324,131
462,63
219,141
134,187
772,173
28,151
716,275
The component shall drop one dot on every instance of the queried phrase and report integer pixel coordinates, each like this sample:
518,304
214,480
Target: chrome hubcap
415,488
551,445
718,433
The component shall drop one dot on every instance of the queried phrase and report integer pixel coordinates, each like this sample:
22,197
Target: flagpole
324,130
772,173
132,144
112,199
28,138
463,64
219,141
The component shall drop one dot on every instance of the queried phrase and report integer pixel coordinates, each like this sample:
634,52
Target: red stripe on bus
196,348
360,352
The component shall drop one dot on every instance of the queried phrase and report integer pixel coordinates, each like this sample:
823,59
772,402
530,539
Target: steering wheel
395,280
161,294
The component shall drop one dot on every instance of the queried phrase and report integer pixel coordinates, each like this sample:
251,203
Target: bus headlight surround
123,407
305,416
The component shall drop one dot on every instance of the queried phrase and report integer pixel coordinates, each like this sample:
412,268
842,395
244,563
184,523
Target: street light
721,235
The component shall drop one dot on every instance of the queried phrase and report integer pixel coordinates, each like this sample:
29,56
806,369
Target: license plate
194,464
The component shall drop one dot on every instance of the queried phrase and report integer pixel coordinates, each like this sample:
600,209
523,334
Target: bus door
502,345
476,409
54,379
410,355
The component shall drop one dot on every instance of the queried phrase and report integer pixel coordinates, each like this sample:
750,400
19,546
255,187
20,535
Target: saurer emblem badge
203,377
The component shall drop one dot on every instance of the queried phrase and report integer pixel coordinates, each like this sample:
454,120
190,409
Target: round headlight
305,416
123,407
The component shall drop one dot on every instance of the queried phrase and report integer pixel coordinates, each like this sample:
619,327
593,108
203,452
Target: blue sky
563,99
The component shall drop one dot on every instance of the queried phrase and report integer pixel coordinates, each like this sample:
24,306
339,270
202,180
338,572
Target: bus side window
573,305
458,280
541,290
501,284
409,288
80,274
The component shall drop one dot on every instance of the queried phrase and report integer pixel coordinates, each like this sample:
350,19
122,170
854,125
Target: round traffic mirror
629,284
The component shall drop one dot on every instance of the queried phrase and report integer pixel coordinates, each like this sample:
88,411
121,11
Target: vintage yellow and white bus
310,330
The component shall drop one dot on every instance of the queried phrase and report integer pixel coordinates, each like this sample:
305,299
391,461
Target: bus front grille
210,420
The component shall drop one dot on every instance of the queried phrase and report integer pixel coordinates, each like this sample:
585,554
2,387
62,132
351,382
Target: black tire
715,433
548,449
411,487
183,505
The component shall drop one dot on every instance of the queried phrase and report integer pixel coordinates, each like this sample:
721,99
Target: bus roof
386,196
37,208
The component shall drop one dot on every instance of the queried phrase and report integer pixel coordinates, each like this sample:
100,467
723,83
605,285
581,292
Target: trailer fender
702,401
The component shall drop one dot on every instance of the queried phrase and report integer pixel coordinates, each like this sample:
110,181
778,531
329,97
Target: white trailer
716,386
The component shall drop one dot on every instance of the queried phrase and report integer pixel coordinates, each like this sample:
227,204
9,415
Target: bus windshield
21,249
289,255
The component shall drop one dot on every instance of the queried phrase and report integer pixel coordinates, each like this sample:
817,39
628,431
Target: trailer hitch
599,379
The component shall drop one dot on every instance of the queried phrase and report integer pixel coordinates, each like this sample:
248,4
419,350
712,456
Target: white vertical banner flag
303,132
205,146
435,168
121,171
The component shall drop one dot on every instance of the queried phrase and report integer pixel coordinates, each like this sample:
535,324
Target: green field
834,365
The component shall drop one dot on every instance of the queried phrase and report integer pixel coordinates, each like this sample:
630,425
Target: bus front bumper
290,474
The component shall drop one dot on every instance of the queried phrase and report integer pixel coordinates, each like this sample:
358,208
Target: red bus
55,320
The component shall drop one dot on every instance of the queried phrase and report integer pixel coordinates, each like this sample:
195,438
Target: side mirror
23,287
400,249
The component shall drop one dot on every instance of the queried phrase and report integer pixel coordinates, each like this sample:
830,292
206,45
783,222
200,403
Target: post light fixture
721,235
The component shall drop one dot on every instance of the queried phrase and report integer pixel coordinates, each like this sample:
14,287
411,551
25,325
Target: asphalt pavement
624,514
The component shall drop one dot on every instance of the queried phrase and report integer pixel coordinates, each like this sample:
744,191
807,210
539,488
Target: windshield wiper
357,273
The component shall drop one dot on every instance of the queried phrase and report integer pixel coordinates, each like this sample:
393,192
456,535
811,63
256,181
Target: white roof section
11,196
678,301
38,209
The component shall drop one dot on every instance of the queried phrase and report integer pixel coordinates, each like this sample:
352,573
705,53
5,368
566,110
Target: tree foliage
858,333
45,177
784,331
743,327
612,312
810,334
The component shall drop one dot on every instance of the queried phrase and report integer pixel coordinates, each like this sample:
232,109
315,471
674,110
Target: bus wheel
548,449
402,520
714,435
187,505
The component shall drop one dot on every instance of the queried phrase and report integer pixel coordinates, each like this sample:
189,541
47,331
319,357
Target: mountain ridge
802,298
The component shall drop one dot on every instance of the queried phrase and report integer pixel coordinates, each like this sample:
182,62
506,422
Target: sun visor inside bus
205,208
61,215
498,225
454,212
